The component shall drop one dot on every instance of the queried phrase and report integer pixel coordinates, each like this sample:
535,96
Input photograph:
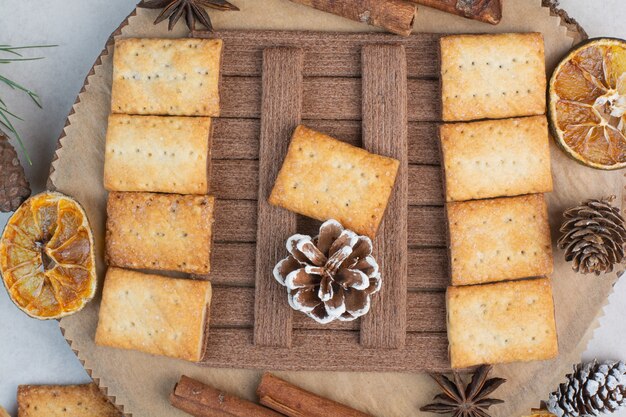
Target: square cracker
492,76
496,158
499,239
177,77
63,401
159,154
503,322
154,314
159,231
325,178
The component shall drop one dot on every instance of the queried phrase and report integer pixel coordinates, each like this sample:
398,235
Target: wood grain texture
280,114
228,347
326,98
326,54
385,132
488,11
239,138
236,220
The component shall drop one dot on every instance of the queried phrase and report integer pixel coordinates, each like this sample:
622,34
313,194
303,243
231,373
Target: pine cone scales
593,237
14,187
590,390
330,276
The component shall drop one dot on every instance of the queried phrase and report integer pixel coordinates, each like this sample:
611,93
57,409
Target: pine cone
590,390
593,236
14,187
330,276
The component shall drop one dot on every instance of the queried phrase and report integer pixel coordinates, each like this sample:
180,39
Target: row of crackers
159,214
496,169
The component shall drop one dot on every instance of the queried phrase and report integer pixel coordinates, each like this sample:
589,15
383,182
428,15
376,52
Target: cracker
63,401
499,323
177,77
496,158
325,178
154,314
499,239
492,76
159,154
159,231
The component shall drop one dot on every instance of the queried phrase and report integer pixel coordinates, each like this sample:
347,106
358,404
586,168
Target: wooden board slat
238,179
233,264
326,54
327,98
281,107
385,133
327,350
239,138
234,307
235,221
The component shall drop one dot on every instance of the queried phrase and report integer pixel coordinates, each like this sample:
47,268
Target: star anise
192,9
461,401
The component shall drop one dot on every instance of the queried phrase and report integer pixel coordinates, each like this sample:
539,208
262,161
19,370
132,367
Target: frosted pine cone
330,276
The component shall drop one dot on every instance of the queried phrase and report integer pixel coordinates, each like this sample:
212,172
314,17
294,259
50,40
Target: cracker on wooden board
496,158
499,239
159,231
501,322
154,314
325,178
64,401
176,77
158,154
492,76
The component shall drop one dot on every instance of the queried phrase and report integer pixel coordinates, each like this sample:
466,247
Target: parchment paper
141,383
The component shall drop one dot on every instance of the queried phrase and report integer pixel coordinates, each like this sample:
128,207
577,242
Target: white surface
34,352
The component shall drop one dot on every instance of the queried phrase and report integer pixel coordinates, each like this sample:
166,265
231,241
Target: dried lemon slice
588,103
47,257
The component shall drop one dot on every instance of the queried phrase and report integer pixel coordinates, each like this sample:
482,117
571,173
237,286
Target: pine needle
15,55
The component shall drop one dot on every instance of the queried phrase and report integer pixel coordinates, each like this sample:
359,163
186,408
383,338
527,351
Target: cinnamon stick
488,11
396,16
293,401
201,400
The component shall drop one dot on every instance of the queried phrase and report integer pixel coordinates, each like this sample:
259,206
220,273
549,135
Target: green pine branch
10,54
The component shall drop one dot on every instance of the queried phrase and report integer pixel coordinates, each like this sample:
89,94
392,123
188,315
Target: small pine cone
593,237
14,187
592,389
330,276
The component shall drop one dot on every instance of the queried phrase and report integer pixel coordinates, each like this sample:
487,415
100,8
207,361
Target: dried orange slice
588,103
47,257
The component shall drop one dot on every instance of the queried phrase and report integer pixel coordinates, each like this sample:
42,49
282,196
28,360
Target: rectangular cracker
499,323
492,76
158,154
499,239
325,178
159,231
496,158
63,401
154,314
176,77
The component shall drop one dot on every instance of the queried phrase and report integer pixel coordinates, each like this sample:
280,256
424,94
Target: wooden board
142,384
341,84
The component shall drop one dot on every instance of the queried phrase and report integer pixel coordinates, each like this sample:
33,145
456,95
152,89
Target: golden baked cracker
492,76
64,401
496,158
176,77
154,314
502,322
159,231
325,178
159,154
499,239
